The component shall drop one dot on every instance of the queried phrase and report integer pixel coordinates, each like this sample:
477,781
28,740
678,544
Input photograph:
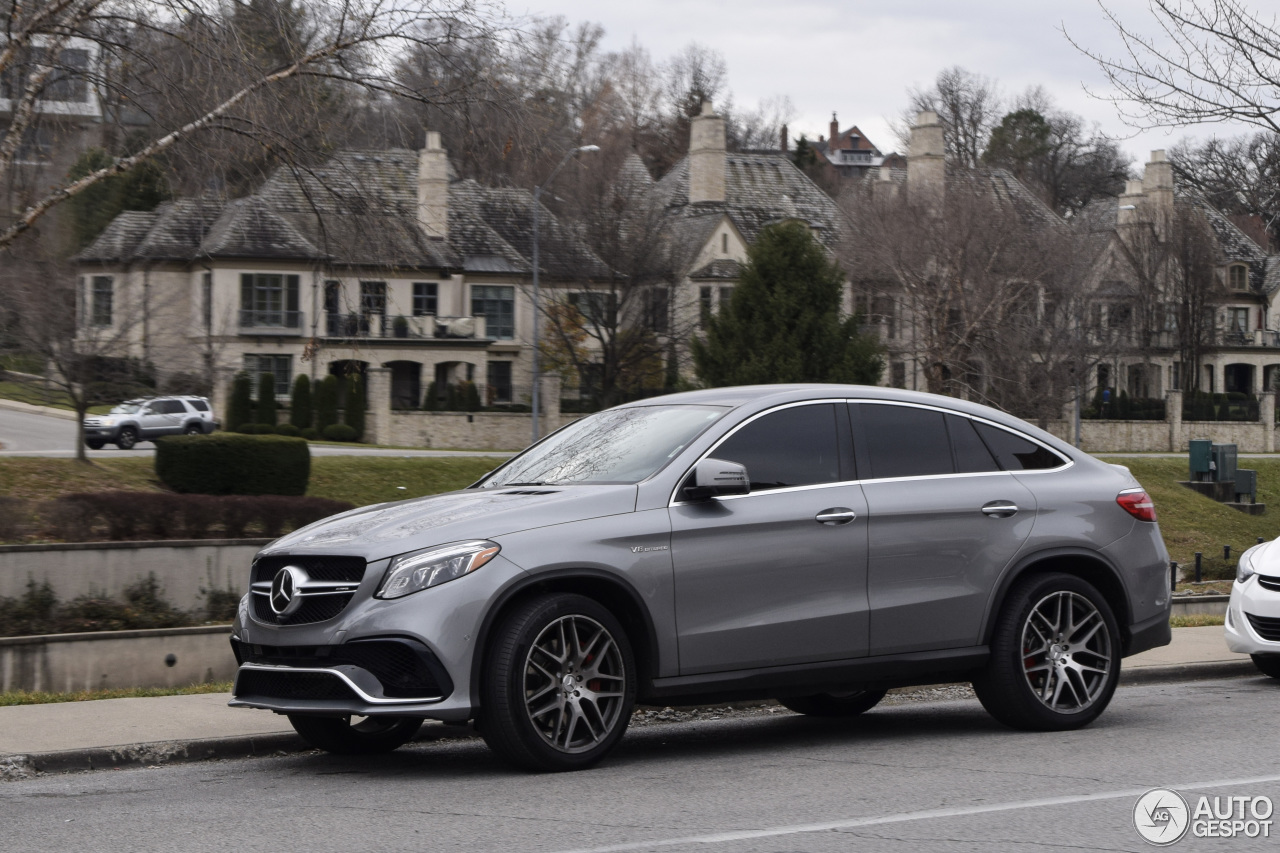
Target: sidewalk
120,732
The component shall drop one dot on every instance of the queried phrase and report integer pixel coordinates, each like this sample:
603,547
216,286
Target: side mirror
713,478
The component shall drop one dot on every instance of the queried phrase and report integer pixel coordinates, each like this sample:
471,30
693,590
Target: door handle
1000,509
835,515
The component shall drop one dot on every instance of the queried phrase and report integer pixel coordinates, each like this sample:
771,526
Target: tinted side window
791,447
198,405
1015,453
905,442
168,407
972,456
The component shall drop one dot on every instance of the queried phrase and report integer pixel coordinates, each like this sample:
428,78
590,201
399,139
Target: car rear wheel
1055,656
127,439
356,735
834,704
193,429
560,684
1267,664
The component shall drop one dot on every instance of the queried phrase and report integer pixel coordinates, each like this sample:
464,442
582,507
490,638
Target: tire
1055,656
560,684
127,438
834,704
193,429
369,736
1267,664
94,444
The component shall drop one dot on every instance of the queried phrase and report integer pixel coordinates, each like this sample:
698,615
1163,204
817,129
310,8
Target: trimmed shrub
247,429
240,408
311,433
287,429
230,464
69,518
308,510
326,402
266,409
353,414
470,397
237,514
429,402
199,513
452,399
300,414
338,432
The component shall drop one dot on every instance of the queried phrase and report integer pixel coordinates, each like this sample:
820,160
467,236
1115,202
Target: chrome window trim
674,502
372,700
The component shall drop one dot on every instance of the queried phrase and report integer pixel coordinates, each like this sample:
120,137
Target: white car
1252,625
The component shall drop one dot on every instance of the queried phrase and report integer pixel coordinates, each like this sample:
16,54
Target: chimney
706,156
835,134
1131,203
926,155
433,188
786,143
1157,181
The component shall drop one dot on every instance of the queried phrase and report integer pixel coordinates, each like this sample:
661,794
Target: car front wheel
127,439
560,684
1055,656
356,735
1267,664
834,704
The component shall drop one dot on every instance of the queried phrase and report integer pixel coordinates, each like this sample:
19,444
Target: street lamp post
537,208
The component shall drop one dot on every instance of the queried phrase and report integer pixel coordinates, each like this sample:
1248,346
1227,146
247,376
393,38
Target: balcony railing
387,326
273,322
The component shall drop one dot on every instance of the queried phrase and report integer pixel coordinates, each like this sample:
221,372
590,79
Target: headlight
421,570
1244,567
107,422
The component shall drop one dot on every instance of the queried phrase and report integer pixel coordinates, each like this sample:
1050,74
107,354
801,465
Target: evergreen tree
266,413
326,402
783,322
429,402
300,414
804,155
240,409
353,414
470,397
141,188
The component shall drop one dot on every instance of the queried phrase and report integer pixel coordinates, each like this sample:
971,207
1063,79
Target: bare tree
350,44
1202,62
1238,175
969,106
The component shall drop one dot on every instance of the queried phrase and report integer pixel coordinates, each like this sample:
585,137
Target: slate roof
760,189
178,228
120,238
248,228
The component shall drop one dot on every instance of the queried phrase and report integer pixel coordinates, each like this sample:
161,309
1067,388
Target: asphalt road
939,776
23,434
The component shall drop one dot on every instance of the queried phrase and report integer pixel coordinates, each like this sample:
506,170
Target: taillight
1137,503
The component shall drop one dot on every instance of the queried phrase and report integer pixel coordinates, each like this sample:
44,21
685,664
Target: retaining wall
467,431
168,657
183,568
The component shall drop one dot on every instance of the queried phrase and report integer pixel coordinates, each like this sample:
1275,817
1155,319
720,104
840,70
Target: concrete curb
15,767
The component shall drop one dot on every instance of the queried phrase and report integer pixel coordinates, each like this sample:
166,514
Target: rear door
945,519
777,576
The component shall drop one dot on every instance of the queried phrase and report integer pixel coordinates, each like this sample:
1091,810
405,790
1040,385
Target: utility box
1247,484
1224,463
1201,454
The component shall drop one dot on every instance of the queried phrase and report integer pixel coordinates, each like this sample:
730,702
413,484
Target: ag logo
1161,817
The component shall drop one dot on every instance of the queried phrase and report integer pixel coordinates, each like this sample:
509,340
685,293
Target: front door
760,579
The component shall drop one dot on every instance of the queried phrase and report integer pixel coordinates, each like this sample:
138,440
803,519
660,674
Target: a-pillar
1173,414
1267,413
377,427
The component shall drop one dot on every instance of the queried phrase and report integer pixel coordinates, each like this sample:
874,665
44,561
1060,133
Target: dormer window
1238,277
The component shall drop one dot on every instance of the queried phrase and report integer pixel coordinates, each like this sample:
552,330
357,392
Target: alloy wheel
574,678
1066,652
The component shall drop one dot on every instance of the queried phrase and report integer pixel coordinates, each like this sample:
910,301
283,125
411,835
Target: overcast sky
859,58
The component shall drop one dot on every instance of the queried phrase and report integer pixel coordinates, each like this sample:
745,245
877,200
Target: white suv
149,418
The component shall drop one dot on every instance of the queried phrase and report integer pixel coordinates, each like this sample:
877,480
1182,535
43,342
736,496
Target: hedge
233,464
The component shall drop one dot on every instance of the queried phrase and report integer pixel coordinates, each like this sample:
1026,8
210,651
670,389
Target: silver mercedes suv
817,544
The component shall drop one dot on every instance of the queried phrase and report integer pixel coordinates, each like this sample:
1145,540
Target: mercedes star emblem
286,590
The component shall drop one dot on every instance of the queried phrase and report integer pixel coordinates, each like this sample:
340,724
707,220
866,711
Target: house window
1238,277
269,300
1119,316
280,366
206,300
599,309
498,376
657,309
724,244
1238,320
726,296
101,301
425,298
497,304
373,306
704,307
898,374
65,83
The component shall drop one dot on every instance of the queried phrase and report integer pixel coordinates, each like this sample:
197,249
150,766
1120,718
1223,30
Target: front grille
293,685
315,608
1269,583
406,669
1268,628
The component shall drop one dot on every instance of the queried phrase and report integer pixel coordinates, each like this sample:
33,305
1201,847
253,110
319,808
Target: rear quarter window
1015,453
198,405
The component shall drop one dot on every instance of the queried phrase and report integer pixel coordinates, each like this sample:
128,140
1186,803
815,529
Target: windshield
126,409
615,446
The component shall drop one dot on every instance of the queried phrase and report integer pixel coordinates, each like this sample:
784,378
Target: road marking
928,814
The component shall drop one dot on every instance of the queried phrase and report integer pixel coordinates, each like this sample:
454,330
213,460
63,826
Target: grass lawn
22,697
25,392
360,480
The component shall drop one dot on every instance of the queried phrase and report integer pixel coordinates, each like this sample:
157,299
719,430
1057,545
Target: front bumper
101,433
1253,615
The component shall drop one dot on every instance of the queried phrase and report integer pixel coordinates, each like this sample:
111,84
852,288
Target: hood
384,530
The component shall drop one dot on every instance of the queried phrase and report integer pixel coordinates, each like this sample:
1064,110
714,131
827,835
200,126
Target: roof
120,238
248,228
720,268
